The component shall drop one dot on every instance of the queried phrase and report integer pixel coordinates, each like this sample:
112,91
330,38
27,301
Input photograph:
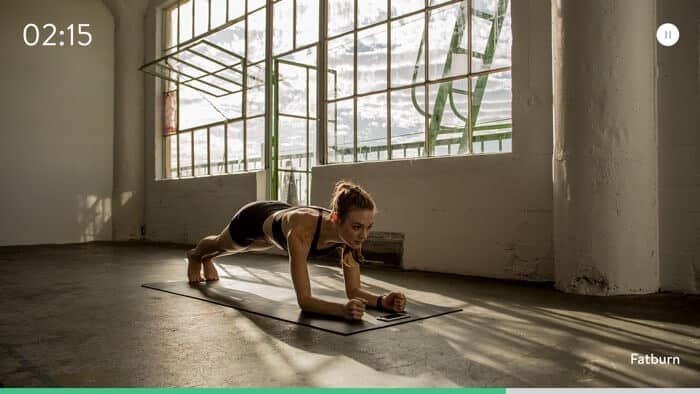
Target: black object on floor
280,303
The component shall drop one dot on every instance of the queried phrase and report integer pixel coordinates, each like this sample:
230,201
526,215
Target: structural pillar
128,192
604,164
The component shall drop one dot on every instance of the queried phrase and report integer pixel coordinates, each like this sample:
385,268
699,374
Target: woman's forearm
316,305
371,298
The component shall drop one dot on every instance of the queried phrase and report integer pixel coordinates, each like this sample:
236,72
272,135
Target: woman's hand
354,309
394,301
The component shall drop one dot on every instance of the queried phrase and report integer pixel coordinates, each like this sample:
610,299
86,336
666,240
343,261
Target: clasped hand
394,301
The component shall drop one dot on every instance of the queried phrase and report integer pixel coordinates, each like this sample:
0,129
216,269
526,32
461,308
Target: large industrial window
213,73
384,103
381,103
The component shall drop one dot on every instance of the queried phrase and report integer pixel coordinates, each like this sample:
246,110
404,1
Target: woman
304,232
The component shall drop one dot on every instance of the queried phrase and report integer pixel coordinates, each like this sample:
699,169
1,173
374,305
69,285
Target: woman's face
354,228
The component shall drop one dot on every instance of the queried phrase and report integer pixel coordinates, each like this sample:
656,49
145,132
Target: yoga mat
279,302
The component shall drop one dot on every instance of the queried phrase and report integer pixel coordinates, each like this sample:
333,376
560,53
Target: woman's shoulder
301,221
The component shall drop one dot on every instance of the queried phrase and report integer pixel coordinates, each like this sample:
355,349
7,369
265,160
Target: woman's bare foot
210,273
194,268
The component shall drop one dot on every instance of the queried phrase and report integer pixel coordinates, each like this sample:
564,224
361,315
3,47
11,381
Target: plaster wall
678,81
57,111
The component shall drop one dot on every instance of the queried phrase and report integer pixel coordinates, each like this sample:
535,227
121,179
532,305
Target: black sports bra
278,235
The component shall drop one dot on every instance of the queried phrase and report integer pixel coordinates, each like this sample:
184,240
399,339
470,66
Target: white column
605,148
128,192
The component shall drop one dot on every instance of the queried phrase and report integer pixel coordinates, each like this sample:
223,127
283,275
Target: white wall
679,148
57,110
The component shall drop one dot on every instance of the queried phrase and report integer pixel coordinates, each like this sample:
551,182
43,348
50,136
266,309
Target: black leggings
246,225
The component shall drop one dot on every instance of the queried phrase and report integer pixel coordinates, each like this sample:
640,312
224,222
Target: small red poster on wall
170,112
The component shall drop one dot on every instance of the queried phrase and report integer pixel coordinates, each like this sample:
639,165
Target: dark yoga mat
280,303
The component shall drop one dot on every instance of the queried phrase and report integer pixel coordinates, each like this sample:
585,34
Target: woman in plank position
304,232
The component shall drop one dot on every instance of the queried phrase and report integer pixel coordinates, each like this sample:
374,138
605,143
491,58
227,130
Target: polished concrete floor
76,315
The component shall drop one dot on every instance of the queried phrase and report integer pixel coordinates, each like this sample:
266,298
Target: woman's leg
208,248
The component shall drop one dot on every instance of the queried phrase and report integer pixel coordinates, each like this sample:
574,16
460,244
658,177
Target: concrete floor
76,315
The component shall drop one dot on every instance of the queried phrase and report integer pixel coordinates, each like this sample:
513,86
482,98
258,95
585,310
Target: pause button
667,34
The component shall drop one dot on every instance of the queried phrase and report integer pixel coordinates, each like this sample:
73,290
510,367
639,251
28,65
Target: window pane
445,23
491,107
293,96
236,8
283,35
200,152
171,28
201,17
402,7
312,142
448,117
341,129
195,110
171,156
307,22
371,59
254,4
186,21
235,146
231,38
255,147
292,143
218,13
370,11
341,16
407,36
407,120
216,149
491,42
341,65
196,60
186,154
256,36
371,126
256,92
292,187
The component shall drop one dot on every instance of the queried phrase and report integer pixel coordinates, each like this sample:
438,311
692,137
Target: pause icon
667,34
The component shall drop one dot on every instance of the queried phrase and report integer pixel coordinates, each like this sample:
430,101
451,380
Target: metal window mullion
226,143
322,85
308,153
388,81
177,140
177,98
192,152
426,75
470,120
294,24
244,95
209,148
209,23
269,110
193,23
354,86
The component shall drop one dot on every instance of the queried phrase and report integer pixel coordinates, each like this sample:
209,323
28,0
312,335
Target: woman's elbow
304,303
